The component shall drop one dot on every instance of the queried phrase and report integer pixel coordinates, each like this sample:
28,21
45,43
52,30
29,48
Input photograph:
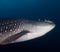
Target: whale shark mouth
17,30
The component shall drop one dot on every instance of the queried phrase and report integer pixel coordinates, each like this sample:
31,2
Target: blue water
35,9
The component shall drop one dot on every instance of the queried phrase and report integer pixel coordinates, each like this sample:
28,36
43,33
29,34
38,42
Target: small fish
18,30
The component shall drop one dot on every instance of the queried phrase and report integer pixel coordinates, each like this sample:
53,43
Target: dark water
34,9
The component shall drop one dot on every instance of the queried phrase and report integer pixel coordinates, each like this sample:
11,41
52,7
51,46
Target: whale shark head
17,30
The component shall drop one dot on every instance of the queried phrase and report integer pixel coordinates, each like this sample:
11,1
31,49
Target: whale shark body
18,30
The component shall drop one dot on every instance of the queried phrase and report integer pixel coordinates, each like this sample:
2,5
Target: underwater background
34,9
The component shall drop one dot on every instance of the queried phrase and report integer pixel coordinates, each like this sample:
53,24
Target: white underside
40,31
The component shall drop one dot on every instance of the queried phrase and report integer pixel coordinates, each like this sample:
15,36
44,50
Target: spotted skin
17,30
8,25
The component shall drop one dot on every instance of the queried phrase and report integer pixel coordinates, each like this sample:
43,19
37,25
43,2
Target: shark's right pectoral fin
14,37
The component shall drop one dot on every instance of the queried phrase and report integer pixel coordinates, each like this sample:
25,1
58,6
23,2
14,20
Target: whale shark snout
36,29
17,30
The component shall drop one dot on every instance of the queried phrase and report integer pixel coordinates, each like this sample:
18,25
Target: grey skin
14,30
13,37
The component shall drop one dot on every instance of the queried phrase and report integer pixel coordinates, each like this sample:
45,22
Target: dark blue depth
35,9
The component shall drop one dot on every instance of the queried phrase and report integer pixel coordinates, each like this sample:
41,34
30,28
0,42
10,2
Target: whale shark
20,30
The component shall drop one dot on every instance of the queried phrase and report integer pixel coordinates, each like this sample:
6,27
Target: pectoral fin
14,37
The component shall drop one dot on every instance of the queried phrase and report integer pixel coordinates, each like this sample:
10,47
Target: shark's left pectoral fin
14,37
